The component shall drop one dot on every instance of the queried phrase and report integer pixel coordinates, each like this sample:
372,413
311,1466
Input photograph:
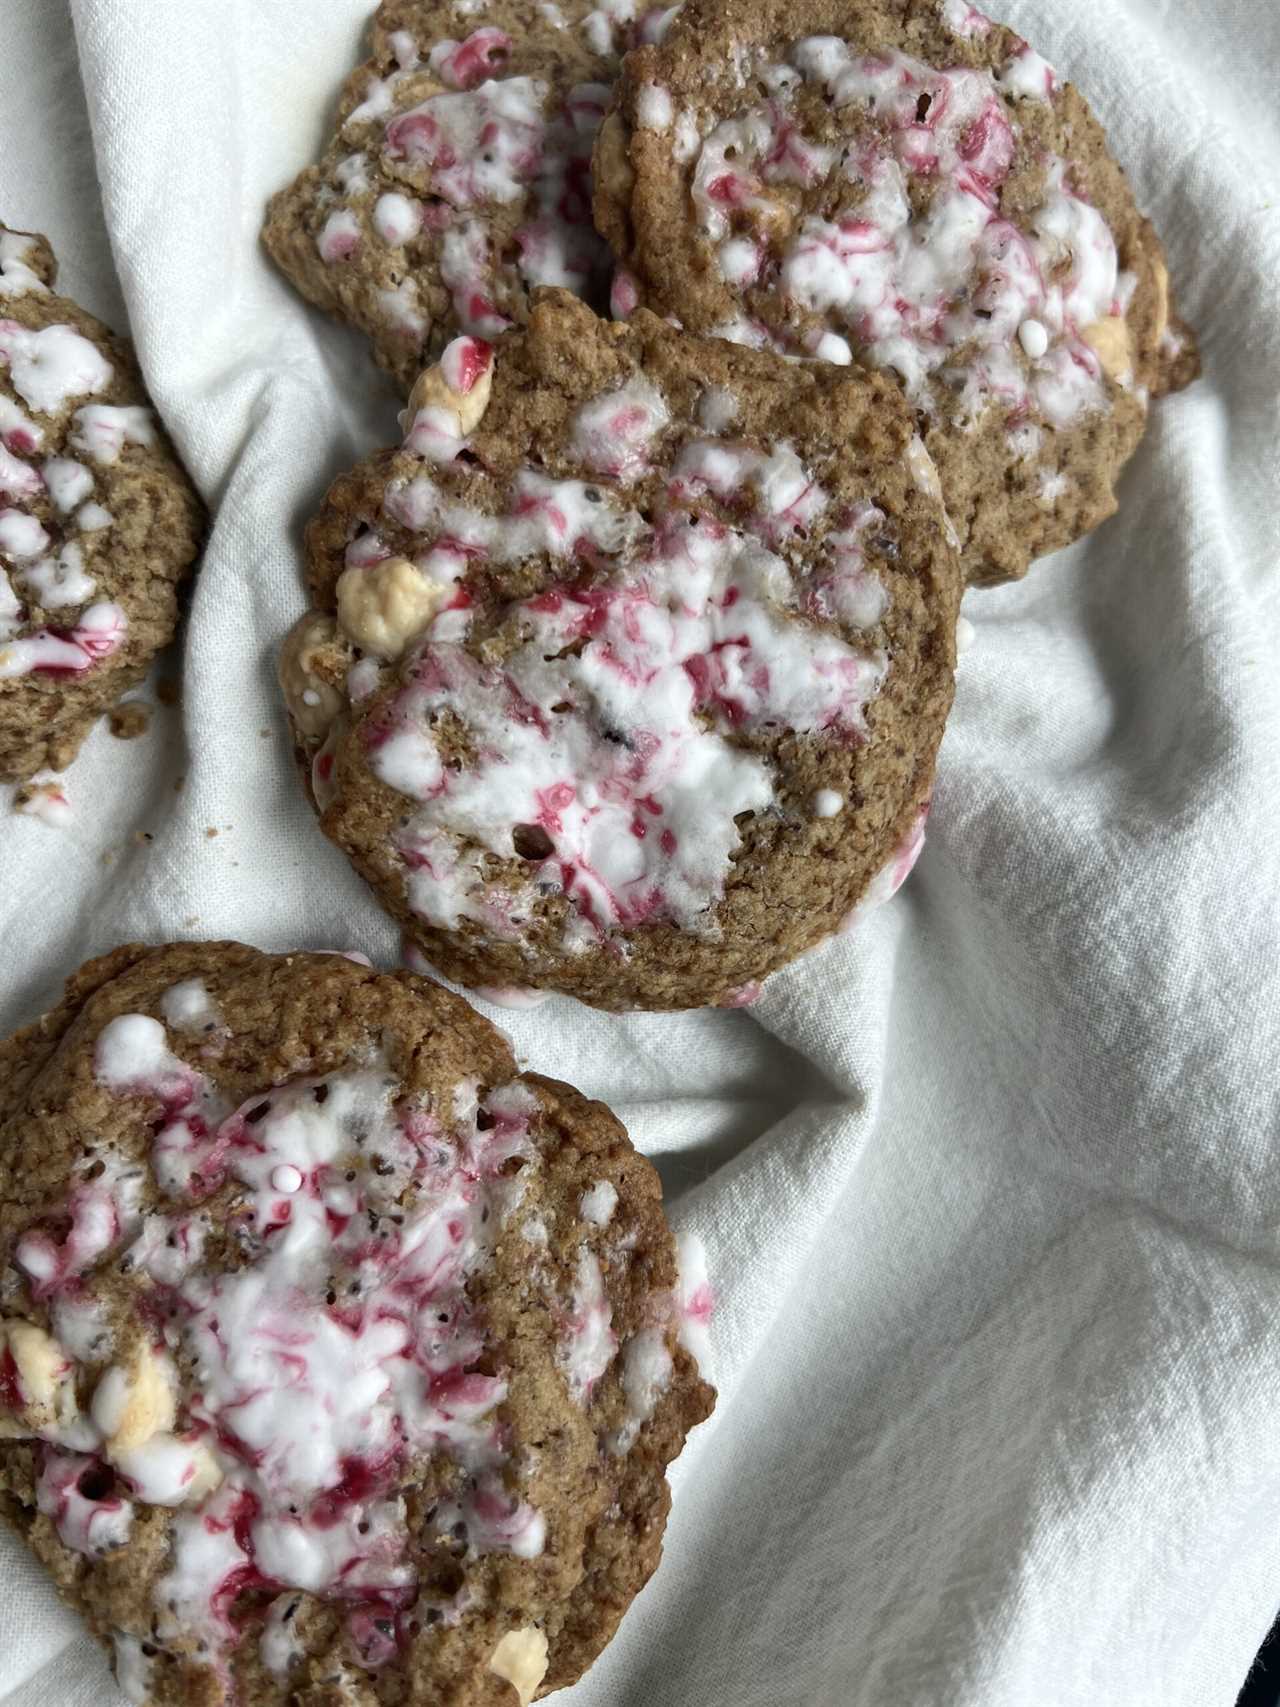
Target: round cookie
629,667
905,183
340,1362
460,176
98,521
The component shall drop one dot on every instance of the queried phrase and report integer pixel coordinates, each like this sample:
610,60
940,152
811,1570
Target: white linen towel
991,1188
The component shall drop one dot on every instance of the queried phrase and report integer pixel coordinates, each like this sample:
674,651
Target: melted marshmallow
695,1300
50,367
588,1344
16,277
103,430
598,1203
87,1521
344,1341
646,1374
612,435
601,741
488,144
189,1007
912,291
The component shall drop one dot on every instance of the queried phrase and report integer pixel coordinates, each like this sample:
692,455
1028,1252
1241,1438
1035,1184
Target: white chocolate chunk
130,1405
432,390
1162,299
520,1658
314,703
1109,341
387,606
44,1380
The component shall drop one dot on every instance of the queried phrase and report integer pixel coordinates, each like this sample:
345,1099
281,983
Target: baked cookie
340,1362
906,183
629,666
98,521
460,176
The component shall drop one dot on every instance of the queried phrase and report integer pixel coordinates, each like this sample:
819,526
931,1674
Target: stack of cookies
341,1361
737,337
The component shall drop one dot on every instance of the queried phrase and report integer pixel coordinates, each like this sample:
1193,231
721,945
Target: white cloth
991,1187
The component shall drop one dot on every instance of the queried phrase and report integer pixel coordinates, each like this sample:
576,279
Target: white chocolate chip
431,390
387,606
313,702
1109,341
520,1658
130,1405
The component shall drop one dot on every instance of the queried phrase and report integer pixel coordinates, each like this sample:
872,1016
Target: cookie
906,184
628,668
340,1361
98,521
460,176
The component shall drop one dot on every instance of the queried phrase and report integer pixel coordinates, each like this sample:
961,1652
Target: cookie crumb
168,691
129,720
45,799
211,832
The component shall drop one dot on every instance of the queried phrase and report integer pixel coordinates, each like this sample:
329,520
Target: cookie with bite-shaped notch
459,178
340,1361
628,668
906,184
98,521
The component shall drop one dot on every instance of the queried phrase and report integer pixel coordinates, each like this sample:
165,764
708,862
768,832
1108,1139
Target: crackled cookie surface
907,184
460,176
98,522
340,1362
629,666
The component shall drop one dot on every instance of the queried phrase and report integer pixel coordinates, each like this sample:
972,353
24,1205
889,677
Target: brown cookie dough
460,176
907,184
98,521
340,1362
629,667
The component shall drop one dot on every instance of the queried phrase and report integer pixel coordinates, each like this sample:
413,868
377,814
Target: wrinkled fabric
990,1187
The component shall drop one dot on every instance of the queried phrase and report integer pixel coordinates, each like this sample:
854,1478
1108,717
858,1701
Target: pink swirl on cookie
464,64
601,745
80,1498
921,273
340,1343
66,652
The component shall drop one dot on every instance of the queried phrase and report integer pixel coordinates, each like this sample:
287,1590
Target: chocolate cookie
905,183
98,522
460,176
629,667
340,1362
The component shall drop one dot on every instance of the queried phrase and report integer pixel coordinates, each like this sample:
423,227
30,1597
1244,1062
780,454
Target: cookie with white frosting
340,1361
459,179
628,668
98,521
907,184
